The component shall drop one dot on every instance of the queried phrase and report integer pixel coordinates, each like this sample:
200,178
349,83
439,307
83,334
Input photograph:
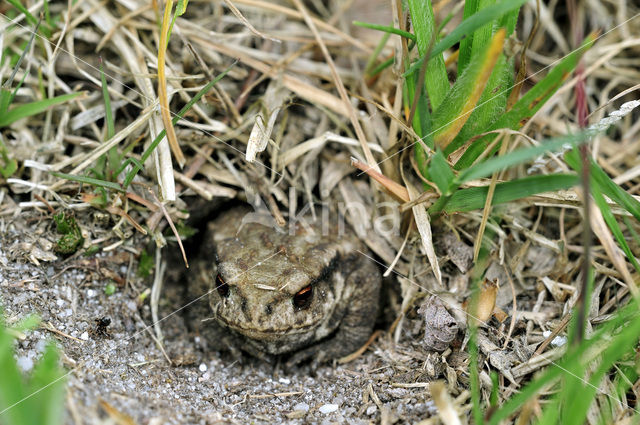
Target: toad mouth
260,333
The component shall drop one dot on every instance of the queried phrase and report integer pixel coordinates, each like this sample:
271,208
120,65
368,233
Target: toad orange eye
221,286
302,299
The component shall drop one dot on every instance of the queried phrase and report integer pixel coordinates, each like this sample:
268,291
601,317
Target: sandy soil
124,373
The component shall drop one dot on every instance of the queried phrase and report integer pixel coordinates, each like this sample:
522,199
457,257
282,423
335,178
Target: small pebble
202,367
558,341
328,408
285,381
25,363
84,336
302,407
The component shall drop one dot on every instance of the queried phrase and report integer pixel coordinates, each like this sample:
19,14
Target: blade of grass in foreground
47,388
18,5
623,330
29,109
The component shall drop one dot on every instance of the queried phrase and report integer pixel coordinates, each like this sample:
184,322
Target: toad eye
221,286
302,298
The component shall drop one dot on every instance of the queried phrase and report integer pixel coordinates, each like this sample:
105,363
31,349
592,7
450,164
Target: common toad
271,292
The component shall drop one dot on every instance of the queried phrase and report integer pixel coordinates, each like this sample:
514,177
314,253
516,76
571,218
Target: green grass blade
385,28
463,32
8,165
440,173
474,375
582,395
436,79
474,198
18,5
458,105
527,106
47,385
482,36
108,114
551,414
602,184
488,167
147,153
491,104
509,20
12,387
572,393
381,67
6,95
128,161
34,108
553,372
606,185
113,158
90,181
471,8
376,53
613,225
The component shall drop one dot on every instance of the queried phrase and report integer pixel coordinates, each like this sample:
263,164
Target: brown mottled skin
253,273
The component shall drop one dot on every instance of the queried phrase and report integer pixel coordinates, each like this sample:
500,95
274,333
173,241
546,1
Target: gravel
125,370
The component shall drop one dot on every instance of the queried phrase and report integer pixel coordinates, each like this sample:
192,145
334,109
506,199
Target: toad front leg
359,316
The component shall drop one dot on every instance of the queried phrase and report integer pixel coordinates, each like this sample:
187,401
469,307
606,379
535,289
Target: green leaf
8,166
440,173
71,238
468,26
110,289
475,197
6,95
108,114
436,79
460,101
492,104
28,323
526,107
33,108
145,265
